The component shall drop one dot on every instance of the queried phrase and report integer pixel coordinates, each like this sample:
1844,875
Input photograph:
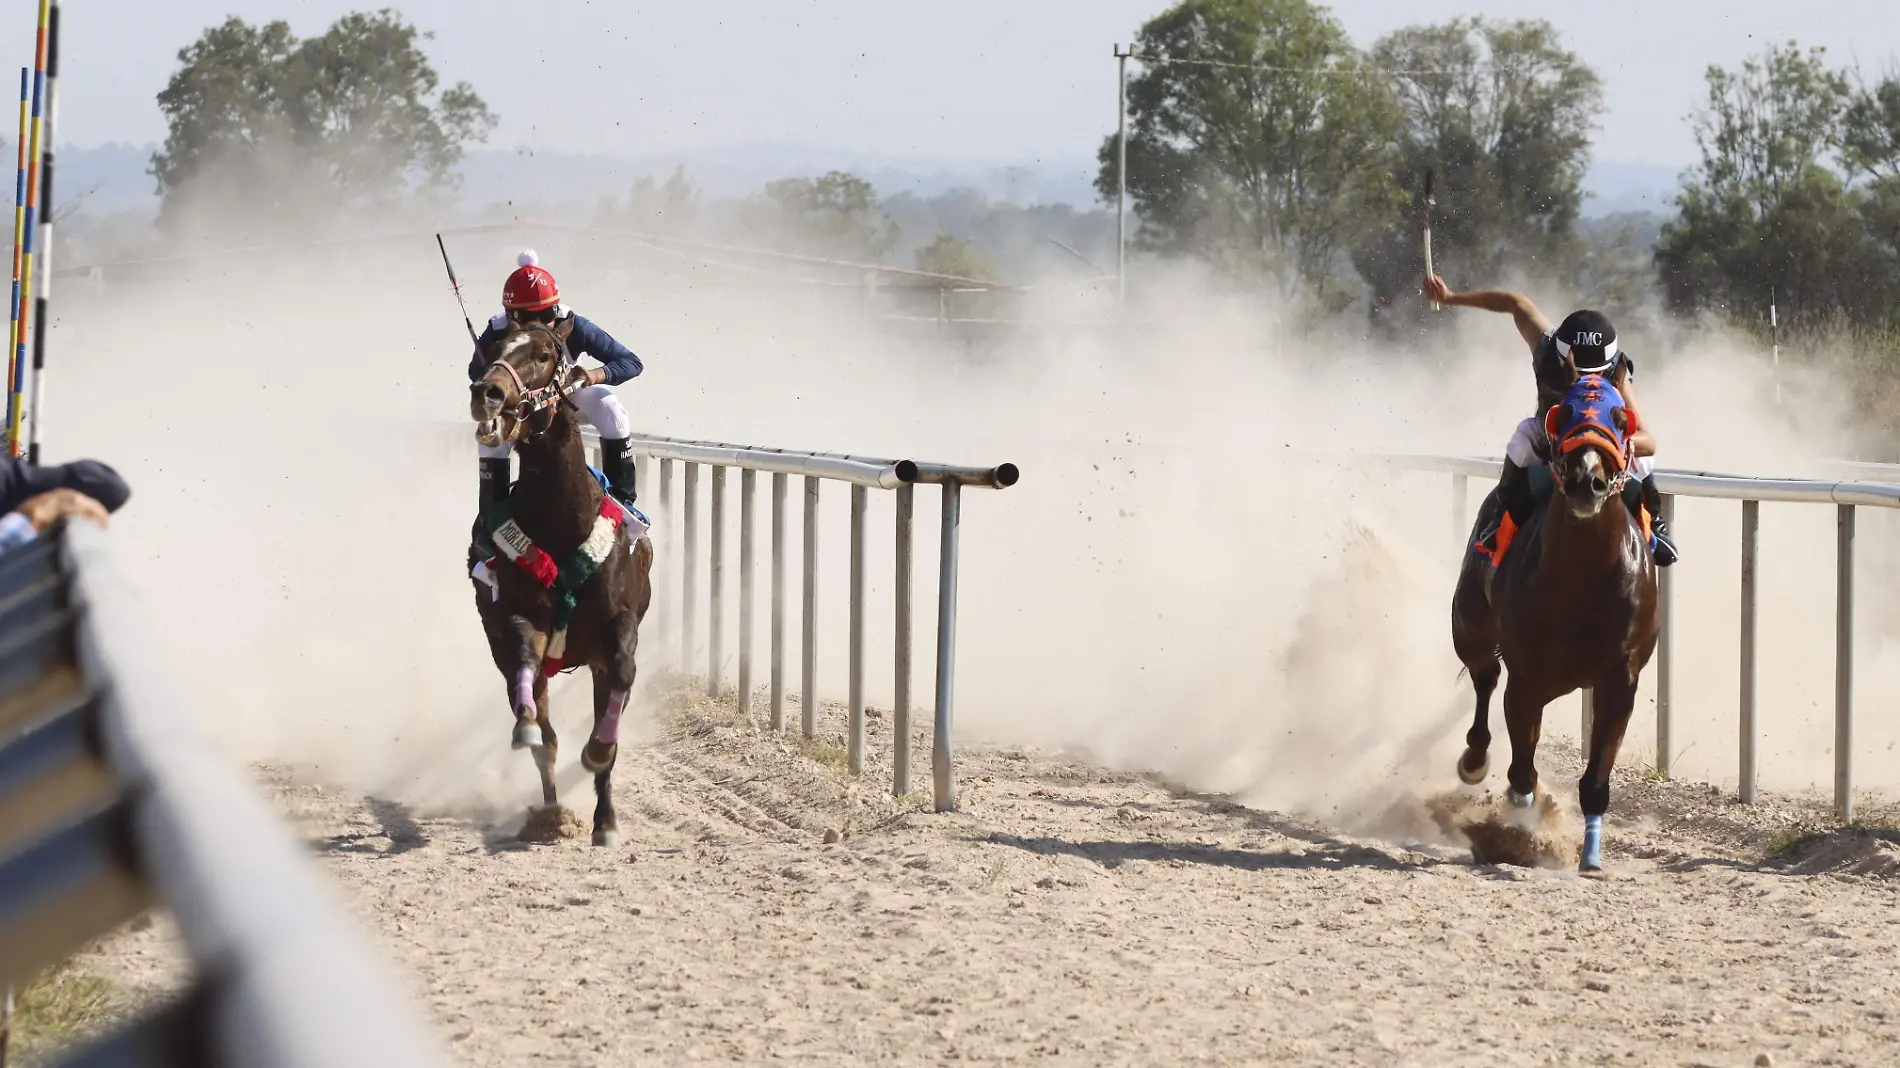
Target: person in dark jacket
33,498
530,295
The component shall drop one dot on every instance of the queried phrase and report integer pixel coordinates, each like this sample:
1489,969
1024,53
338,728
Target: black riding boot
1514,500
1661,545
616,462
495,472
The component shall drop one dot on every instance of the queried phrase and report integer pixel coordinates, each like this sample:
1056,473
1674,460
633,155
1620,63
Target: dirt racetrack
1072,915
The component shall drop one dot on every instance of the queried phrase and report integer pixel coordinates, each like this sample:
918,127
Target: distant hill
113,177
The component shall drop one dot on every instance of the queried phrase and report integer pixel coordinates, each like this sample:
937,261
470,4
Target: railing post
1844,669
716,586
1665,622
940,753
689,585
808,652
748,482
778,602
900,704
667,550
854,742
1751,519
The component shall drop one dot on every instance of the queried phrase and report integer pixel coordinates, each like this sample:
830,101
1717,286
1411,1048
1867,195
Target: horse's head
526,378
1589,438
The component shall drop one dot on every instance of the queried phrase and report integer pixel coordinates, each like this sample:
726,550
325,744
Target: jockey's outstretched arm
1531,323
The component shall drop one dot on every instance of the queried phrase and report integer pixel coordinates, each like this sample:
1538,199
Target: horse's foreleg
1524,719
1614,701
521,694
612,687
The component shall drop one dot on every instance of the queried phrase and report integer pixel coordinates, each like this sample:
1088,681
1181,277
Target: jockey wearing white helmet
531,295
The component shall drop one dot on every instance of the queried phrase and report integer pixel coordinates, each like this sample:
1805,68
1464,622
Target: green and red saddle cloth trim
565,579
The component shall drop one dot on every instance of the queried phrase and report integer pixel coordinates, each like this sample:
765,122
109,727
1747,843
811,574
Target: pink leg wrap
524,691
608,733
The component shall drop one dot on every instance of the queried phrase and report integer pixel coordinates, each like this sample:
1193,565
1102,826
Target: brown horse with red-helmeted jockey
562,569
1571,605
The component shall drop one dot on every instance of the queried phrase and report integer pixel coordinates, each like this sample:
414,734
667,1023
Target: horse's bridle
532,401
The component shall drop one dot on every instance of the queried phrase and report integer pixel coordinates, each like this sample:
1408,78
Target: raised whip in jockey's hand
531,296
1584,343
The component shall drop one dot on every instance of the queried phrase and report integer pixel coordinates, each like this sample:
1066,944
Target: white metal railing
1846,496
862,474
112,801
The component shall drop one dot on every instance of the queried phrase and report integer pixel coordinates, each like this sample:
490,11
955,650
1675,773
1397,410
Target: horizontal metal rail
113,802
1845,496
862,474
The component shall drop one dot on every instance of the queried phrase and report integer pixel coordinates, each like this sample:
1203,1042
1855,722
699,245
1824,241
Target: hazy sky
1002,80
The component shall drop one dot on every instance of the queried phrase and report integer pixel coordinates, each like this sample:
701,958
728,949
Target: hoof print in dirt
551,824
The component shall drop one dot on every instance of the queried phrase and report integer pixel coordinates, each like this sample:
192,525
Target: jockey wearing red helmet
531,295
1584,342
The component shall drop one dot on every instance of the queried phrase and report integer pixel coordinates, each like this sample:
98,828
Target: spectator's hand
54,505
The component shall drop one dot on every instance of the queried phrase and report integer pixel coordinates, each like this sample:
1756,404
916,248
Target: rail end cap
1006,475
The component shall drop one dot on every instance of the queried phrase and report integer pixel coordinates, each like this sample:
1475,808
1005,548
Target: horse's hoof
606,838
1518,800
1473,776
597,758
526,737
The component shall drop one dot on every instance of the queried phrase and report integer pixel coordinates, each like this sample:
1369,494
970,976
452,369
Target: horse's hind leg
1612,704
1475,639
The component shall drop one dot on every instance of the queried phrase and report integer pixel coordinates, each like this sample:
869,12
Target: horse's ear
1620,417
563,328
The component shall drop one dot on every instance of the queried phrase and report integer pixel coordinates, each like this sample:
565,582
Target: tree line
1261,141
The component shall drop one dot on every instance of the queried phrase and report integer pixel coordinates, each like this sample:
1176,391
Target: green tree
1764,211
262,125
953,255
1871,147
836,216
1503,114
1259,140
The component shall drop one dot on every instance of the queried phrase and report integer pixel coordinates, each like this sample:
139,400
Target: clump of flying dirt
1544,836
551,824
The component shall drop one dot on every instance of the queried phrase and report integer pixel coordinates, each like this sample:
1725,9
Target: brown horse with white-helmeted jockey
561,563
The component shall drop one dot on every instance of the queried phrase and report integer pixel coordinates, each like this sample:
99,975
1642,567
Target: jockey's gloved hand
582,377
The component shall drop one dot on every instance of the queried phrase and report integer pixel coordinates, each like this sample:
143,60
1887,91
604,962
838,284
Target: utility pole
1122,54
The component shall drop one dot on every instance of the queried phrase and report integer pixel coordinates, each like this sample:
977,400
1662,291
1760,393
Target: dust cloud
1194,575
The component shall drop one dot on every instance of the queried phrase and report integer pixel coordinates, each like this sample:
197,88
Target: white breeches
1529,445
599,405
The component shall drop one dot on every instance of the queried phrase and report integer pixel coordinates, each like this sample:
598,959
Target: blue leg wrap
1592,859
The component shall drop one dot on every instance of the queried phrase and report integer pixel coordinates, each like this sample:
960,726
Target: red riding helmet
530,288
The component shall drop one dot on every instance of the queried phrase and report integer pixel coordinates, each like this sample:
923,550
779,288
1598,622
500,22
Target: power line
1155,61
